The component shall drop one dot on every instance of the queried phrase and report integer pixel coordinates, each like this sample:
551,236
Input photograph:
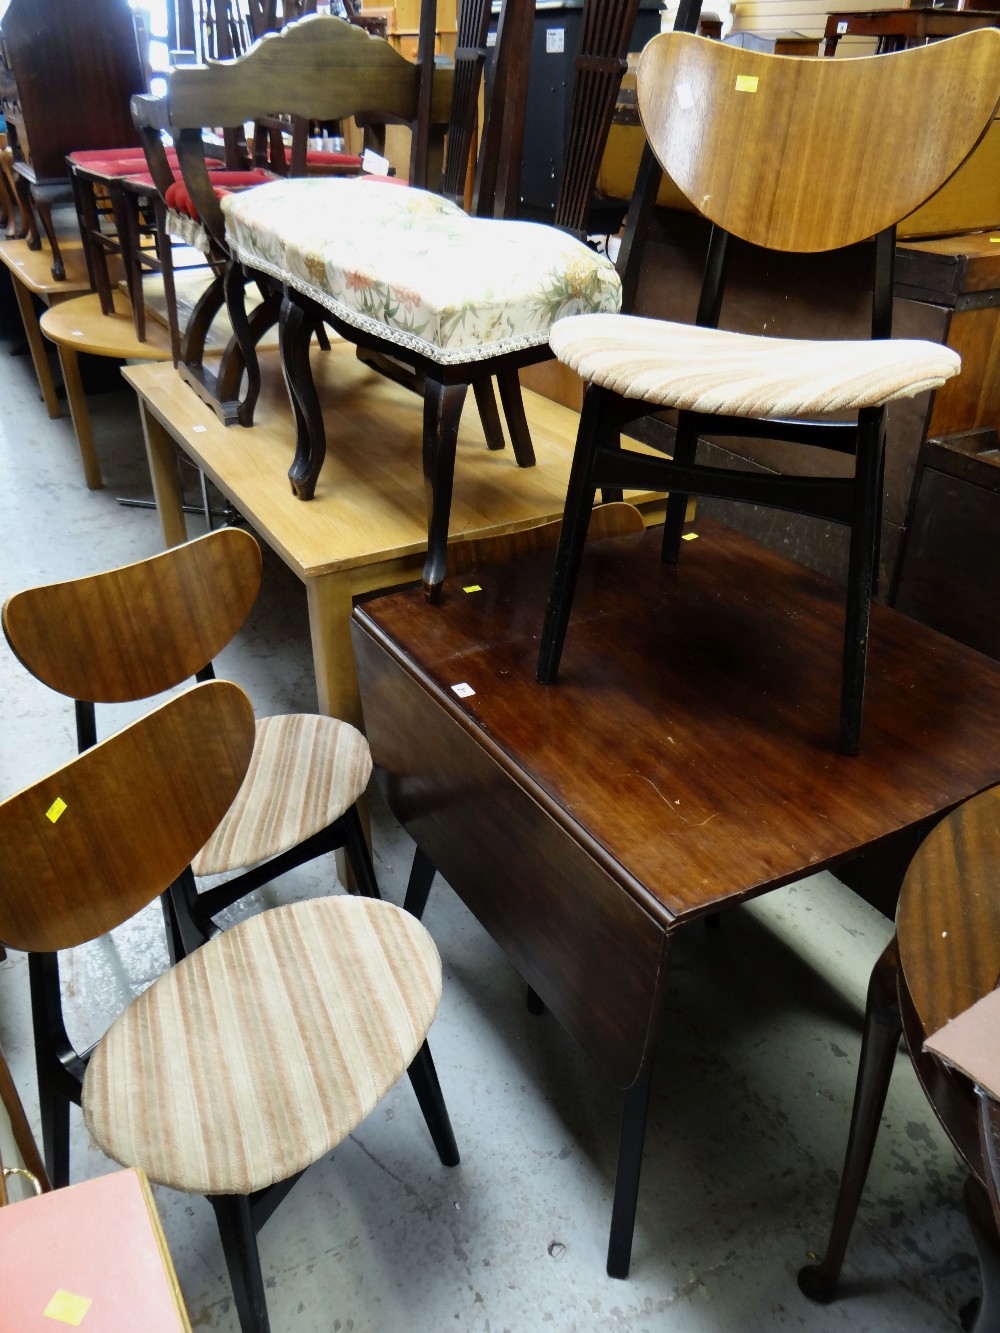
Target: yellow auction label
746,83
55,809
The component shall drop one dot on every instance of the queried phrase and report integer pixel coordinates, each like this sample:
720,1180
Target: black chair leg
418,886
685,448
424,1079
358,855
633,1137
239,1245
862,572
573,535
54,1116
878,1052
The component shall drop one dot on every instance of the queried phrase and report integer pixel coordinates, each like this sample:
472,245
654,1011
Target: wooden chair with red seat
134,632
257,1055
945,957
740,133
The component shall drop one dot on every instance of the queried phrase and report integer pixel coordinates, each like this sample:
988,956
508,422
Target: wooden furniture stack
76,67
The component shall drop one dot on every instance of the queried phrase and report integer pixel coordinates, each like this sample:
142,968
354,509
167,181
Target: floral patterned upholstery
412,267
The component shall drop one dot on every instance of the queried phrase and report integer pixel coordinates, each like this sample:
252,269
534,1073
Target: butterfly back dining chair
796,155
301,1017
130,633
944,958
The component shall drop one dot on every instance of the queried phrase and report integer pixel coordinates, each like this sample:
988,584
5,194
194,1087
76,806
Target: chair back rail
599,66
79,637
95,841
803,155
470,60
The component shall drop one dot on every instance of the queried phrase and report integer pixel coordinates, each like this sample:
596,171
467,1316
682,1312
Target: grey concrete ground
751,1093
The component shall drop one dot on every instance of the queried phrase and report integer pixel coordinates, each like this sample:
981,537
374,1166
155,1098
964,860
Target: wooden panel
590,952
950,577
972,399
742,133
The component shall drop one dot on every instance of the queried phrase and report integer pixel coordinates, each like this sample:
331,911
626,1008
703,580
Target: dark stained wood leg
207,307
322,337
862,568
28,213
58,269
310,446
509,385
630,1147
573,535
241,355
418,886
489,415
442,413
93,252
984,1235
165,251
239,1245
535,1003
685,447
878,1052
424,1080
126,209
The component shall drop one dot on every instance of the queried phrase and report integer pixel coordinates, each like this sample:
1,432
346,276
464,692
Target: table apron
594,956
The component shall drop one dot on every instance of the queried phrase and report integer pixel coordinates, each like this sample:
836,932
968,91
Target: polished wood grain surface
369,502
688,744
80,636
81,325
948,925
90,844
784,152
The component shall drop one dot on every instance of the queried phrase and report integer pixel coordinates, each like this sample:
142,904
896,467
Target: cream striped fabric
261,1051
306,770
710,370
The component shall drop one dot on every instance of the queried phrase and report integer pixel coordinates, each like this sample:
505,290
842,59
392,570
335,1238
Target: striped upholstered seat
306,771
711,370
740,134
263,1050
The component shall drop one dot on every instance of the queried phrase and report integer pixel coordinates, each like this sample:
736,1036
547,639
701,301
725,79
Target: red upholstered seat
319,158
116,161
224,182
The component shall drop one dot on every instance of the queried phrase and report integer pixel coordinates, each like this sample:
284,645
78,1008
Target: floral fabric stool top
415,269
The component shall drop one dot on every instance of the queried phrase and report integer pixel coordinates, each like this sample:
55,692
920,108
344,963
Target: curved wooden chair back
804,154
88,846
320,68
132,632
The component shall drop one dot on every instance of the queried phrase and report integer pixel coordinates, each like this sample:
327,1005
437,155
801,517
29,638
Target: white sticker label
463,690
841,27
491,39
555,40
684,96
198,430
374,164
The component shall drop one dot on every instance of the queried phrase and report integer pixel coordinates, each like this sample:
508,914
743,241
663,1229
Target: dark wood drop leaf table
685,761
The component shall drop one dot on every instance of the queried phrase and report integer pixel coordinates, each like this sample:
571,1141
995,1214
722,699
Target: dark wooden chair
131,633
375,277
945,956
193,1078
742,135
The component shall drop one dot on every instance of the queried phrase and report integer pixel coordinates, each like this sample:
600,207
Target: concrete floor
751,1094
